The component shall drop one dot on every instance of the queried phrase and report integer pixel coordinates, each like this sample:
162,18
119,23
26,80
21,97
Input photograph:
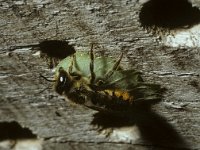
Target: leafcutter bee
101,83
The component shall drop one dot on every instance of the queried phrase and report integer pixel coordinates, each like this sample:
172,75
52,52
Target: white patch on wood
184,38
125,134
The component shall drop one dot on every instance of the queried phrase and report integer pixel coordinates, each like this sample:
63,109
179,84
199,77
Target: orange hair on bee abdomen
120,94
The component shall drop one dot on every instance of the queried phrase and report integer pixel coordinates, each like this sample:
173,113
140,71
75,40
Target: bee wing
144,92
122,79
132,82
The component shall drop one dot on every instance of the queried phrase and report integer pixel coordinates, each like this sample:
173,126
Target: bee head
63,81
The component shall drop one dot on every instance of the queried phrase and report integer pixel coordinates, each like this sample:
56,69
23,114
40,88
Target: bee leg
76,75
72,64
92,66
115,67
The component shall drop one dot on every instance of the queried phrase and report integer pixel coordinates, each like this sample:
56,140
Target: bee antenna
49,80
43,90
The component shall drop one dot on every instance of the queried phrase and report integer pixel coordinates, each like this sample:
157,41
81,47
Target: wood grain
114,27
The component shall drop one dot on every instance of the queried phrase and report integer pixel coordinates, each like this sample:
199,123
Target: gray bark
114,27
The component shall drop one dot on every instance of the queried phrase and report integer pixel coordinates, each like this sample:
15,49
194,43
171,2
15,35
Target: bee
101,83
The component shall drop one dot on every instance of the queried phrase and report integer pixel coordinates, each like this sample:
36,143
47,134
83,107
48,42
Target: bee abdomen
116,100
122,95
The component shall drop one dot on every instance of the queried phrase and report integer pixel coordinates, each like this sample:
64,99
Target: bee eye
62,80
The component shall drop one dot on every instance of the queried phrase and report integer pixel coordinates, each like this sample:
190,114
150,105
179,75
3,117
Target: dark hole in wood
13,130
56,49
170,14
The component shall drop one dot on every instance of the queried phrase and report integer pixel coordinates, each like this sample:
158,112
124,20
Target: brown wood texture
114,26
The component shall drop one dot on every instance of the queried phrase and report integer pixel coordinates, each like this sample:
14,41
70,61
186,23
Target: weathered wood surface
115,27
